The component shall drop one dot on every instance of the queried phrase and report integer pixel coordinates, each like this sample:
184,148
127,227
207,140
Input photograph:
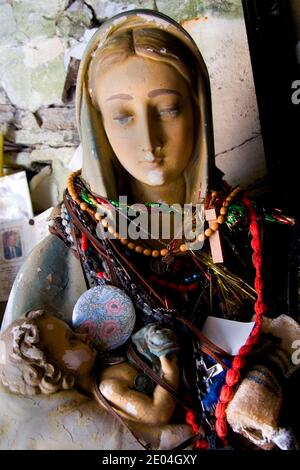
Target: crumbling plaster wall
40,42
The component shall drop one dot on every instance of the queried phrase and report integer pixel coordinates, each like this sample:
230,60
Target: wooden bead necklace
99,215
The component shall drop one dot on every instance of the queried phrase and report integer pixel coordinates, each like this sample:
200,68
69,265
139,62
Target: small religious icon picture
11,243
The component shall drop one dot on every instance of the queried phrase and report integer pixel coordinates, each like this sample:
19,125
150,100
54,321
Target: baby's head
41,354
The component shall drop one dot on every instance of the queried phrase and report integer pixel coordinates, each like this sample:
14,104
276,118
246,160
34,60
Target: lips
155,162
153,158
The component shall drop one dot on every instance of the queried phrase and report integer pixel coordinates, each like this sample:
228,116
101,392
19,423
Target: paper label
227,334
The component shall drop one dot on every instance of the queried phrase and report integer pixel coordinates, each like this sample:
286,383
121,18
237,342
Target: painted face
148,118
69,350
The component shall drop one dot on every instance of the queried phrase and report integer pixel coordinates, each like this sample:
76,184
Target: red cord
84,243
191,420
239,362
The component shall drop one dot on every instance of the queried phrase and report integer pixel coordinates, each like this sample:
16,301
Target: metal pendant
157,266
167,261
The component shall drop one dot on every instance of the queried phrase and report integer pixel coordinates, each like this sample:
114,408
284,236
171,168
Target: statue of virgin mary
145,123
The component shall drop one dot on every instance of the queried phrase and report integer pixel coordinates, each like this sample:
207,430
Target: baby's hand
169,369
169,362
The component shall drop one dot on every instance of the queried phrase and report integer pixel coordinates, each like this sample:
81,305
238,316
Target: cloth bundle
255,409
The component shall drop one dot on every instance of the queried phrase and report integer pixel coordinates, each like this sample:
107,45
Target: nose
149,138
146,142
82,336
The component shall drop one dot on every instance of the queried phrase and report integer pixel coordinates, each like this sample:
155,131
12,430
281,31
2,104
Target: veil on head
99,170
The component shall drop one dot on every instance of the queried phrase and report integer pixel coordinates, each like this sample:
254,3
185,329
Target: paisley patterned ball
106,314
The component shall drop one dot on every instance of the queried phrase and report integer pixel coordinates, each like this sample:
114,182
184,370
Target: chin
155,177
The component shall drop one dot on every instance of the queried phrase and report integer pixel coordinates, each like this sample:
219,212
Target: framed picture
12,246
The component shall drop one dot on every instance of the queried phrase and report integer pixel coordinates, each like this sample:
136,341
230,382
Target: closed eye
169,112
71,336
123,119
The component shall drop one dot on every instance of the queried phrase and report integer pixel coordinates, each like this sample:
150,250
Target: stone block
25,120
7,113
9,32
48,154
37,18
188,9
73,22
33,75
23,20
104,9
38,137
56,119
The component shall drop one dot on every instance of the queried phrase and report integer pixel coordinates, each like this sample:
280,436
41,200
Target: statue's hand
155,341
170,370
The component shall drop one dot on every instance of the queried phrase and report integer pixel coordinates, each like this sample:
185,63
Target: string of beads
99,215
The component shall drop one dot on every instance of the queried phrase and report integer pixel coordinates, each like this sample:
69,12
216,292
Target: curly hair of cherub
26,369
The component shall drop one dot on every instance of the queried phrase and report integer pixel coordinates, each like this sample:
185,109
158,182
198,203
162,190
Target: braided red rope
239,362
191,420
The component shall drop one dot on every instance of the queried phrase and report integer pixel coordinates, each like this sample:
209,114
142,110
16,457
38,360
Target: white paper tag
227,334
15,202
39,229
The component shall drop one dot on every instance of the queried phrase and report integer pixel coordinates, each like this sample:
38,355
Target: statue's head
143,107
41,354
142,83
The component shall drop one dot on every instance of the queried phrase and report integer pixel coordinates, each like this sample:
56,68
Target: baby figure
42,354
